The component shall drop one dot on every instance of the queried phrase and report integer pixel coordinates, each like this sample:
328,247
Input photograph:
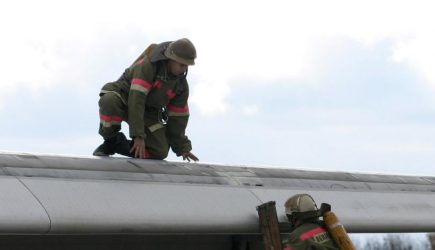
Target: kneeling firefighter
152,97
308,231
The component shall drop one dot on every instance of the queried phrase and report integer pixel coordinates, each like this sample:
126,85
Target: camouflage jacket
309,236
145,88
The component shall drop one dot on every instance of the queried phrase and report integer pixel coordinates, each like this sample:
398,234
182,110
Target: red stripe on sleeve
172,108
158,84
139,61
109,118
170,93
311,233
141,82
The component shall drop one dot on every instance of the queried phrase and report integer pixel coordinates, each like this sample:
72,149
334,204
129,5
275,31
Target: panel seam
40,203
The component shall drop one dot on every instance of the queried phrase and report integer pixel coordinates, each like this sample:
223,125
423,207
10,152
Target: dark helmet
300,203
181,51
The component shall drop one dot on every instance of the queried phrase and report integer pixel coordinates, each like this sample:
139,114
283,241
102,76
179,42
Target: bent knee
110,100
159,154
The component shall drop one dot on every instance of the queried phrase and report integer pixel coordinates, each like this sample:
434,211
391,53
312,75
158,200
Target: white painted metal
20,211
79,195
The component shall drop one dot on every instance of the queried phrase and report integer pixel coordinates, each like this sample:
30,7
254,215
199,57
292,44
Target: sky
324,85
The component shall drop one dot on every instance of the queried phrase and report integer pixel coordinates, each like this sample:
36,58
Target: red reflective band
141,82
158,84
287,248
108,118
139,62
312,233
177,109
170,93
147,154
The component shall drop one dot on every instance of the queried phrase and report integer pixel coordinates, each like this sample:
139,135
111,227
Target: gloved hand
138,148
189,156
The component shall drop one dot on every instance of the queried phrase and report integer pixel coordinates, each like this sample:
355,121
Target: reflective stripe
108,118
155,127
157,84
287,248
175,109
141,82
108,121
109,124
139,61
170,93
140,85
177,114
139,88
312,233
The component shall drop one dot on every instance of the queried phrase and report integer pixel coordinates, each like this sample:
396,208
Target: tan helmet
181,51
300,203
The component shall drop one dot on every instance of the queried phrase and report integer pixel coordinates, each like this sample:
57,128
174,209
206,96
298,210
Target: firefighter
151,96
308,231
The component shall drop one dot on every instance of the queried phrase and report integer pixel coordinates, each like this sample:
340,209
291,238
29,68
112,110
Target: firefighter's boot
117,144
122,145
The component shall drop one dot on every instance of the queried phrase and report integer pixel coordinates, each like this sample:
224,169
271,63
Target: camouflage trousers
113,111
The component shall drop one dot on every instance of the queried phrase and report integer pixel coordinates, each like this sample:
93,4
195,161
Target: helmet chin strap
302,216
182,76
177,77
292,220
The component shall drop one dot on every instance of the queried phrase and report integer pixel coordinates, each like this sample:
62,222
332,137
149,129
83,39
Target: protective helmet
300,203
181,51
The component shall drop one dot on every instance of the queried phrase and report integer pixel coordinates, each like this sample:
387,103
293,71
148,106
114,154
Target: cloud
236,41
404,148
419,54
209,96
250,110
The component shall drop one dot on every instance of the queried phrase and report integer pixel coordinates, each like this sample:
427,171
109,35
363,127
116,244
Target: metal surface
20,211
77,206
89,195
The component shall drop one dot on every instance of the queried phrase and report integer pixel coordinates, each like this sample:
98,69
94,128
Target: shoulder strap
147,52
157,53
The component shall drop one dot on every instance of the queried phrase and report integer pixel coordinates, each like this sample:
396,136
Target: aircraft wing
46,194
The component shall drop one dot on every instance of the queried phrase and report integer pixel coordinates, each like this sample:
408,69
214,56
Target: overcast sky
333,85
